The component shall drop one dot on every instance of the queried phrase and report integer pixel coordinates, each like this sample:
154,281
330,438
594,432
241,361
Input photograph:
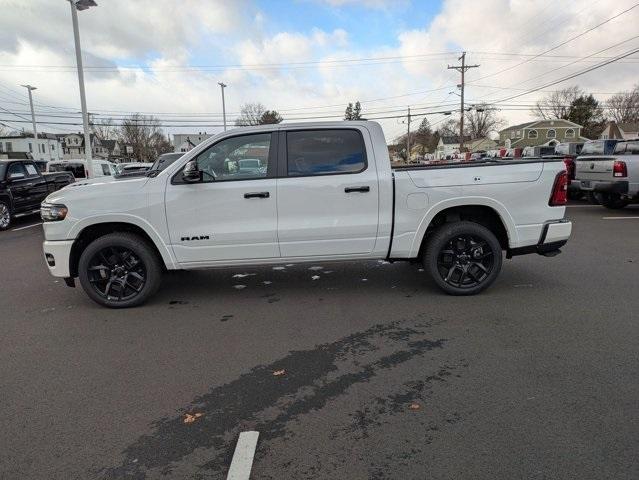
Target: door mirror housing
191,172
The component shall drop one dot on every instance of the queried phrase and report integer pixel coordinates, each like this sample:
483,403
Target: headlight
53,213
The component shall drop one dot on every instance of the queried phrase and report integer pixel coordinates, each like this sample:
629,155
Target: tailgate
594,168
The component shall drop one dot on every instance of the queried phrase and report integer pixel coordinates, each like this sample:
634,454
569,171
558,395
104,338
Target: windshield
165,160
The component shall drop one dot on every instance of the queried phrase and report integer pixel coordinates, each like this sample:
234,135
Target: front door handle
257,195
357,189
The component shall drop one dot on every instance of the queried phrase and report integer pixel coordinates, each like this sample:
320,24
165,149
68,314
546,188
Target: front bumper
57,254
554,235
620,187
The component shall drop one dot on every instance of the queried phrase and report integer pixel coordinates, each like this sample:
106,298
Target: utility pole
223,86
35,129
408,138
462,69
82,5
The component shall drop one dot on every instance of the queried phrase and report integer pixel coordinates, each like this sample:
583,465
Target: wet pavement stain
313,378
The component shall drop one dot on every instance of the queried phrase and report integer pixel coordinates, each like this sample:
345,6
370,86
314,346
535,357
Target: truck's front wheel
5,216
119,270
463,257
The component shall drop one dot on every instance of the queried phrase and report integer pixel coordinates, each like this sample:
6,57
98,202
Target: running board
24,214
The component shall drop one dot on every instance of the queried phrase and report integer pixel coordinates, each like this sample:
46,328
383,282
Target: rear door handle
257,195
357,189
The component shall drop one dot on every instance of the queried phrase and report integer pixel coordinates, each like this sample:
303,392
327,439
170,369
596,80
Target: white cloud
171,33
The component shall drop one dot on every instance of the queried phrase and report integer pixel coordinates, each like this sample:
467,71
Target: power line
560,44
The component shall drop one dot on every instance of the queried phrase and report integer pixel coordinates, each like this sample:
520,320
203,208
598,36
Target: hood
97,188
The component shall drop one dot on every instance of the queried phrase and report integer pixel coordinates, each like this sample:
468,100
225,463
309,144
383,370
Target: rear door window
32,171
325,152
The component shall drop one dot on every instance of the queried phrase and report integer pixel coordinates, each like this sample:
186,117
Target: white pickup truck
613,179
298,193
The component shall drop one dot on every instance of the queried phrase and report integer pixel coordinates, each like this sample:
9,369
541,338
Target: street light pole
223,86
35,128
82,5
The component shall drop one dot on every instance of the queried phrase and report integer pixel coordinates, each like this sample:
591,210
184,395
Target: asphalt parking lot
366,371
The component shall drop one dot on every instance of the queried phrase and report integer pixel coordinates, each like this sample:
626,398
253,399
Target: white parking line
243,457
28,226
620,218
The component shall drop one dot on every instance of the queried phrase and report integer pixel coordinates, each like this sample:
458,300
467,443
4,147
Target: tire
119,270
594,198
452,257
6,219
613,201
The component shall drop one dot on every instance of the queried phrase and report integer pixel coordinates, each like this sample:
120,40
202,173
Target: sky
306,58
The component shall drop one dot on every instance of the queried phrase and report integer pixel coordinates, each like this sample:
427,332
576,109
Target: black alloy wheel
465,261
120,270
117,273
463,257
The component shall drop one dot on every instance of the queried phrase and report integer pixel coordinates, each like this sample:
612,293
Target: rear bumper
554,235
57,255
620,187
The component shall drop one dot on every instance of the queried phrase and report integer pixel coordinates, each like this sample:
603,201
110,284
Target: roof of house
516,127
549,121
629,127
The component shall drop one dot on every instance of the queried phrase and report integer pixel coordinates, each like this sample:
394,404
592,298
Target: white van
78,167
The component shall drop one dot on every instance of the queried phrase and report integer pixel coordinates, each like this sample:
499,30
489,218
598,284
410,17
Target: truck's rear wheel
463,257
613,201
119,270
5,216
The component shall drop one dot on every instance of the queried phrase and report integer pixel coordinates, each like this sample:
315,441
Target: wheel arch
486,212
87,233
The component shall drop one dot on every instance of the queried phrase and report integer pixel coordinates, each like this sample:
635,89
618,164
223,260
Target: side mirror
16,176
191,172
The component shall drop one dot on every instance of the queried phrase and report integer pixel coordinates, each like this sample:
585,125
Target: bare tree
481,121
145,135
4,130
450,128
104,129
250,114
557,104
624,107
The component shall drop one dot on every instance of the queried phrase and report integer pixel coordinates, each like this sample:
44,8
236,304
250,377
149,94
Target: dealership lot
347,371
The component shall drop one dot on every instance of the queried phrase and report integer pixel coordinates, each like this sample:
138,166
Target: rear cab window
325,152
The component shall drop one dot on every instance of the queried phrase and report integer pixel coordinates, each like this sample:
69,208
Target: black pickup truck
23,187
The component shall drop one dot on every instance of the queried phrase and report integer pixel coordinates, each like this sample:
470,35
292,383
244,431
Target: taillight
619,169
570,167
559,195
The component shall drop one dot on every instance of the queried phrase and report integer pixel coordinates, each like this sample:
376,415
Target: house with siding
541,132
620,131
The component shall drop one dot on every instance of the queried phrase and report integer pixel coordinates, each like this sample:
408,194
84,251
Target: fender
6,196
165,252
501,210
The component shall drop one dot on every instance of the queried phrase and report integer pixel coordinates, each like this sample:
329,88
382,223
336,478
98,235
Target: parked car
132,167
101,168
327,194
23,187
613,179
